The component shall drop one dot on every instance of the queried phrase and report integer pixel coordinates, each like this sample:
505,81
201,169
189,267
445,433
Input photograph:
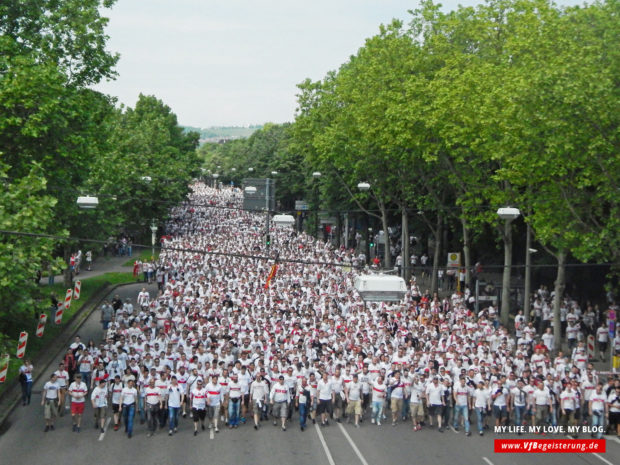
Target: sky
237,62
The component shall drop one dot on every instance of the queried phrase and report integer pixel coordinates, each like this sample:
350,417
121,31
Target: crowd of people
242,334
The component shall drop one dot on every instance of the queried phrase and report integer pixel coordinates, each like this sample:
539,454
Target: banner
272,273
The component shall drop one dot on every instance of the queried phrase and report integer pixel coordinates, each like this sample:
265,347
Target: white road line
453,430
211,433
357,451
330,459
489,462
105,428
616,439
604,460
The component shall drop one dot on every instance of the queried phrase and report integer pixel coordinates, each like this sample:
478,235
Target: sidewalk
100,266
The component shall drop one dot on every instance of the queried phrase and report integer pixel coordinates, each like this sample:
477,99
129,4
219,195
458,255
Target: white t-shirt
378,391
568,399
598,401
199,398
435,393
462,394
129,395
100,396
52,390
152,395
355,390
214,394
175,394
541,397
325,390
481,398
78,391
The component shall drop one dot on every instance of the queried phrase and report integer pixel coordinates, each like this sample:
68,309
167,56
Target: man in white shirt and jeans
435,402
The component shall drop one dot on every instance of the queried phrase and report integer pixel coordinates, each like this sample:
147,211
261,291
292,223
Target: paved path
23,441
100,266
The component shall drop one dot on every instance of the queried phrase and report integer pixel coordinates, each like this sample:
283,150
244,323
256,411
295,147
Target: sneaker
284,428
129,435
481,433
195,433
102,430
184,414
203,426
170,433
74,428
116,427
175,429
314,421
468,433
256,427
378,423
275,423
52,427
338,420
77,428
393,423
217,430
372,420
440,430
47,428
150,434
357,425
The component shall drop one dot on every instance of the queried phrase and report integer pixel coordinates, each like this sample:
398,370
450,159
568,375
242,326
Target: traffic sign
301,205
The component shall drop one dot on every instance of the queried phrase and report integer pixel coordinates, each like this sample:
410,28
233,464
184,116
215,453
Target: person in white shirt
602,337
214,401
303,399
280,398
379,392
116,388
435,402
258,395
62,376
99,400
353,393
128,399
518,398
50,401
396,397
77,391
152,404
541,404
235,396
568,405
482,402
416,407
198,400
326,396
613,406
462,395
598,409
175,396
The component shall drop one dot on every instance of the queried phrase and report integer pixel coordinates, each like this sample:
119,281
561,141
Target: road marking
489,462
604,460
330,459
453,430
616,439
211,433
357,451
105,428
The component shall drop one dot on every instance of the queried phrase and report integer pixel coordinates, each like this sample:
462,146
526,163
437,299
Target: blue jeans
141,409
377,410
598,420
303,414
86,377
480,413
128,414
173,417
461,410
26,392
233,412
519,414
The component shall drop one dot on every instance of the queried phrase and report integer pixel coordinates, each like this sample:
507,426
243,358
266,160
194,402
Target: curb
12,396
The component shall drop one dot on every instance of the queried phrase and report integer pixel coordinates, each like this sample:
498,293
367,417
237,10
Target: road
22,440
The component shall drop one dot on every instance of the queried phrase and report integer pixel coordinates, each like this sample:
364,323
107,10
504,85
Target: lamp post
508,214
365,187
215,176
316,175
527,291
153,237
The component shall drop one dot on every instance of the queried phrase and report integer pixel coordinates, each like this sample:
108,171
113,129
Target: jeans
405,409
152,412
86,377
141,409
233,412
480,413
173,417
128,414
519,411
303,414
598,419
461,410
377,410
26,392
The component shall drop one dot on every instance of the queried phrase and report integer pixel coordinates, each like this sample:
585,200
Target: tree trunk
528,274
505,312
466,253
68,278
560,282
438,236
338,229
388,256
406,265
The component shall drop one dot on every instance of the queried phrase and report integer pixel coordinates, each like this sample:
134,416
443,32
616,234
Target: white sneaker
372,420
378,423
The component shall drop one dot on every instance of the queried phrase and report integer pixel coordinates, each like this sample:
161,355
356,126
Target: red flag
272,273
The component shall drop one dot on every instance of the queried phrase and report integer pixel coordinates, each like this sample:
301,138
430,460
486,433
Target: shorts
338,402
51,409
324,406
246,400
100,412
77,408
354,407
213,411
500,412
542,412
417,409
435,409
280,410
199,414
396,405
116,408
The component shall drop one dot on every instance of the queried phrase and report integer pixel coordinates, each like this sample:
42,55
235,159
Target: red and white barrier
76,290
41,325
58,316
21,345
590,346
4,367
68,298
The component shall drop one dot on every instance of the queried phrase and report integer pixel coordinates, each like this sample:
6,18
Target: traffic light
372,243
268,240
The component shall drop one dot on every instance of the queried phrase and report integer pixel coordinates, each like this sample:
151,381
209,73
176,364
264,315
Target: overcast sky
237,62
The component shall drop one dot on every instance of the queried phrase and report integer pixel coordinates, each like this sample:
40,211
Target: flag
272,273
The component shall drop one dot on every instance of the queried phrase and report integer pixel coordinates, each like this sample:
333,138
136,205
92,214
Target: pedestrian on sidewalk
89,260
25,379
49,401
99,400
77,390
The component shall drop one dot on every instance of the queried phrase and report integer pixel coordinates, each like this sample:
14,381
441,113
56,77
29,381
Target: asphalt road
22,440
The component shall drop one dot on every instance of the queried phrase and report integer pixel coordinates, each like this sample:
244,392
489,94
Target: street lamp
508,214
363,186
153,237
87,202
274,173
215,176
316,175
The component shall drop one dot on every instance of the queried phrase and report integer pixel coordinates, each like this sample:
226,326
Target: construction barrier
4,367
58,316
21,345
41,325
76,290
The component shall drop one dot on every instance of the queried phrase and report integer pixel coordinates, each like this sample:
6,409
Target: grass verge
142,255
35,345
